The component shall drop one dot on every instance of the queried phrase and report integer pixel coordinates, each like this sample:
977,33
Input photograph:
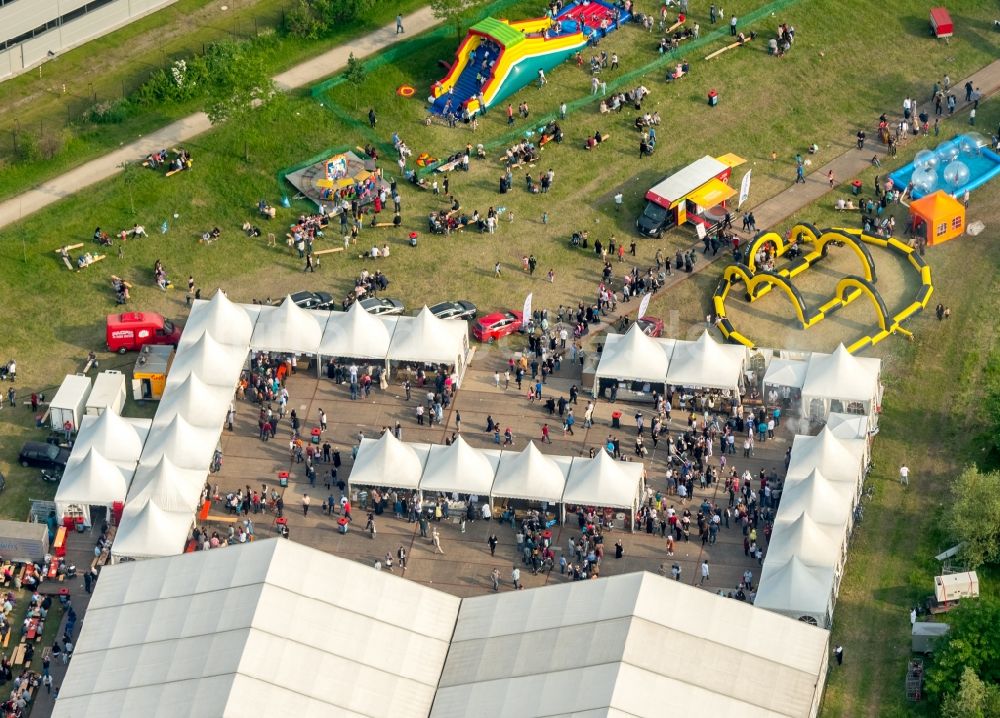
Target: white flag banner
744,188
644,304
527,310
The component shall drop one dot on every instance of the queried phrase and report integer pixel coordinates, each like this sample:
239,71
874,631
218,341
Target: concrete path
309,72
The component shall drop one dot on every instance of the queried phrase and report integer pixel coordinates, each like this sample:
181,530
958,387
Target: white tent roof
358,334
786,372
225,321
796,589
635,356
848,426
604,648
461,468
824,501
387,461
287,328
842,375
199,403
214,363
147,531
92,479
169,486
814,543
114,437
530,474
247,631
837,459
187,446
706,363
602,481
425,338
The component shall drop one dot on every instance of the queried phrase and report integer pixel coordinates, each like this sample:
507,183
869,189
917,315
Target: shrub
109,112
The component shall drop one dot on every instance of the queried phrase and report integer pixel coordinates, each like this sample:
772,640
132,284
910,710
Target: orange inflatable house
939,216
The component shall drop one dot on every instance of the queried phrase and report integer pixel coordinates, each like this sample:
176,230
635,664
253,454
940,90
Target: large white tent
188,446
387,461
844,378
635,357
91,480
201,404
288,328
212,362
531,475
785,372
604,482
426,338
798,590
169,486
460,468
357,334
225,321
837,459
271,628
115,437
813,543
148,531
706,363
848,426
608,648
825,501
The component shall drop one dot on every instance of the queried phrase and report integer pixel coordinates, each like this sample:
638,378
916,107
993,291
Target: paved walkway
309,72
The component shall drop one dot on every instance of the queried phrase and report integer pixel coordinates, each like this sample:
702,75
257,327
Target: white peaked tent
837,459
604,482
425,338
214,363
187,446
843,377
114,437
706,363
91,480
848,426
199,403
635,356
357,334
460,468
225,321
169,486
785,372
530,474
824,501
387,461
287,328
797,590
814,543
147,531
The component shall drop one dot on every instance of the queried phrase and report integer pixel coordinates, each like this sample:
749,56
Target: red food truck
133,330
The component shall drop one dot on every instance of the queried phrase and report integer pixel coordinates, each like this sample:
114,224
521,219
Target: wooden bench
18,656
64,253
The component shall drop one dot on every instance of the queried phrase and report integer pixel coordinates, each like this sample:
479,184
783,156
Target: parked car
43,455
313,300
650,326
454,310
380,305
496,326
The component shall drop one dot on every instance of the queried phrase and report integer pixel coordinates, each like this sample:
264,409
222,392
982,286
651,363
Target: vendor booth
149,375
841,382
90,487
428,340
785,378
225,321
529,479
461,471
937,217
635,362
24,542
148,531
288,328
798,590
357,334
706,364
695,194
605,485
388,462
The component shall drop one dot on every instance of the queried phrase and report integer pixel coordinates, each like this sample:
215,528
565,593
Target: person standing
495,577
904,475
732,26
305,504
436,538
704,571
322,420
399,27
309,264
515,576
493,541
372,119
401,557
838,653
713,14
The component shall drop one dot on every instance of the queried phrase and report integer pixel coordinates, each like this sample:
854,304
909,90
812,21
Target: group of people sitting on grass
443,222
782,43
181,161
524,152
672,42
160,276
105,240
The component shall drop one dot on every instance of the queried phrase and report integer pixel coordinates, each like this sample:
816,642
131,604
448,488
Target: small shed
924,635
22,541
939,216
68,404
108,393
941,22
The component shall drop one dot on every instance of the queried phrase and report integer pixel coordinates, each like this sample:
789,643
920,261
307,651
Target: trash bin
283,479
342,525
363,500
713,98
856,187
616,420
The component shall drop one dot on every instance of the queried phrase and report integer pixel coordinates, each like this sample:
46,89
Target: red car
495,326
651,326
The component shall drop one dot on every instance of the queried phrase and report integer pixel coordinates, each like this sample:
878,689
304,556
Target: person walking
515,577
704,571
399,24
436,538
305,504
401,558
493,541
904,475
496,270
309,264
495,577
322,420
800,174
838,653
370,525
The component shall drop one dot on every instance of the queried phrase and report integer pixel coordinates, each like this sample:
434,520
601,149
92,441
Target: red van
132,330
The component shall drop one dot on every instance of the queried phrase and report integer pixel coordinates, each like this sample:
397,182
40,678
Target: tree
975,515
455,12
239,83
356,75
973,699
972,643
130,178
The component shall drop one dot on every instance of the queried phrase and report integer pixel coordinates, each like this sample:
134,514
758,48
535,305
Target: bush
27,149
301,21
312,19
109,112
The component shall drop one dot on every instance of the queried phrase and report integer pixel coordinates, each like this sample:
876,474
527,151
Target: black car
379,306
654,220
43,455
313,300
454,310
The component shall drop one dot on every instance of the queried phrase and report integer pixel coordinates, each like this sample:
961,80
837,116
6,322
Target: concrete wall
23,15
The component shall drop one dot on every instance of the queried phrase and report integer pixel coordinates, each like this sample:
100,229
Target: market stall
605,485
634,362
529,480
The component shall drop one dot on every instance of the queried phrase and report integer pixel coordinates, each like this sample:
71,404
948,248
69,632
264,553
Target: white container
68,404
108,393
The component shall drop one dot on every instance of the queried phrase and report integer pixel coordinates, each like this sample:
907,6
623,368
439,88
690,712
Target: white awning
604,482
387,461
288,328
635,357
357,334
460,468
531,475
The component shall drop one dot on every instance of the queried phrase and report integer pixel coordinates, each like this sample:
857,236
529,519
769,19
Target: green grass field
823,91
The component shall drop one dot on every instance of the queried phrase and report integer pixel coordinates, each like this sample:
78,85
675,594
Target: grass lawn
822,92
